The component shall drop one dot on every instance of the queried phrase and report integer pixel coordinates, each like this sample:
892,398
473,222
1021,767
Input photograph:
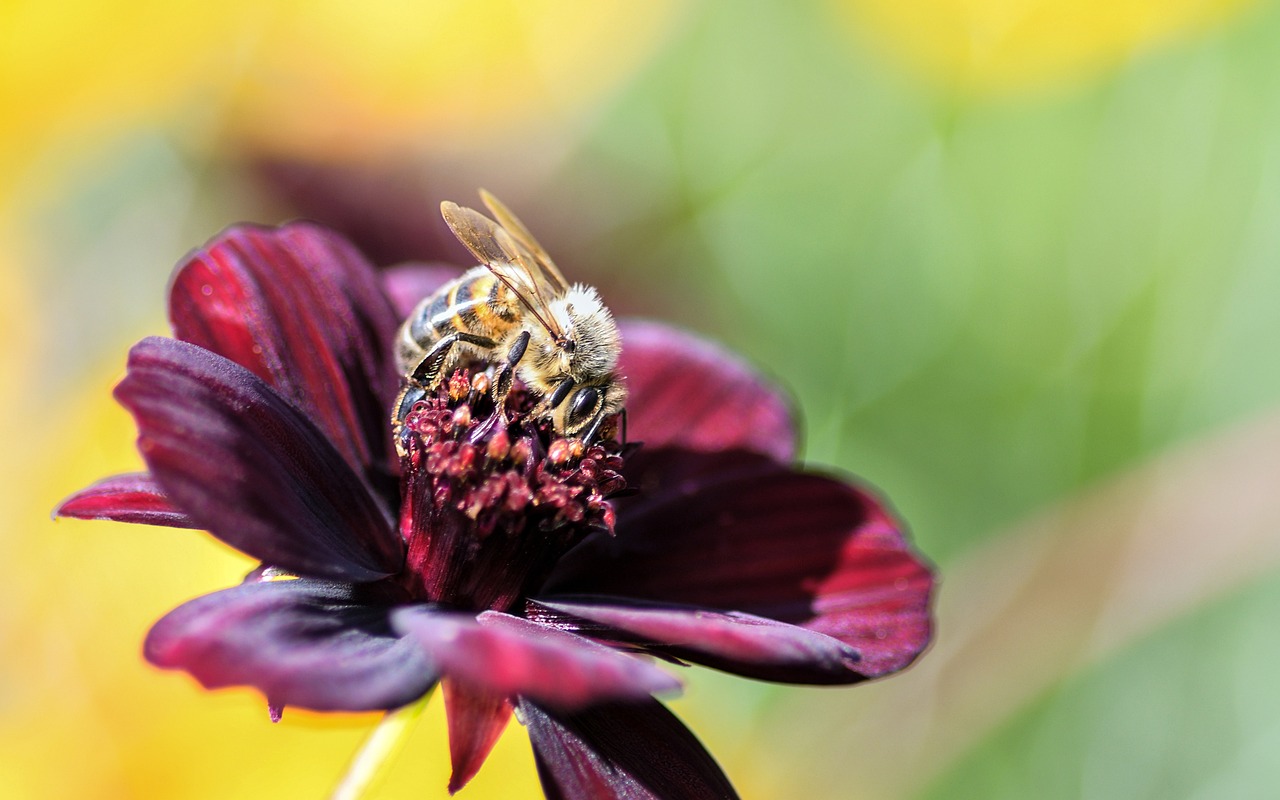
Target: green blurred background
1017,260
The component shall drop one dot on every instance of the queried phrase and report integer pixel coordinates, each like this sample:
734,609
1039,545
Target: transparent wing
521,234
506,258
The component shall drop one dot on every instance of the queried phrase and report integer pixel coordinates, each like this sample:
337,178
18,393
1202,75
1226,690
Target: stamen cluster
492,497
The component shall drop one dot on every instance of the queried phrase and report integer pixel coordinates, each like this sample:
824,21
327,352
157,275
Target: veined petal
505,655
625,751
689,392
134,497
306,643
476,720
743,644
768,541
247,466
300,308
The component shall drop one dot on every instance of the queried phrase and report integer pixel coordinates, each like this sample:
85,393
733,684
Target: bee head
591,339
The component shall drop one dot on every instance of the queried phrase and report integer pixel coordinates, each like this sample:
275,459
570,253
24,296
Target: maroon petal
632,751
476,720
763,540
505,655
134,497
302,309
247,466
408,284
689,392
731,641
312,644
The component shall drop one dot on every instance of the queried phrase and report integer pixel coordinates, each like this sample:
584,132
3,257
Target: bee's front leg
428,372
507,372
555,398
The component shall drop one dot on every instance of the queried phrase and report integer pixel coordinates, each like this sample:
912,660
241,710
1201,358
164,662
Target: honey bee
517,312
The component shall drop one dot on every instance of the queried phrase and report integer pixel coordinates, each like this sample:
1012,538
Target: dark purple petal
662,472
631,751
134,497
408,284
505,655
476,720
688,392
312,644
302,309
764,540
247,466
731,641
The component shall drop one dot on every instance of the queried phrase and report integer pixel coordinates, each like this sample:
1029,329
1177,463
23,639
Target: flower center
491,498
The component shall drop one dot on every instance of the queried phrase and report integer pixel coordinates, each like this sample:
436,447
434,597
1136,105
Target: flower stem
370,762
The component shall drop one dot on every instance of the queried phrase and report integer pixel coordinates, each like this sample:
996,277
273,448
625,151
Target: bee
517,312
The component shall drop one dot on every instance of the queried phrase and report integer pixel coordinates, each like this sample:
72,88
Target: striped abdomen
475,302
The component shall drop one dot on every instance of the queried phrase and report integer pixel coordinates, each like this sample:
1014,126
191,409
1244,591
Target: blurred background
1017,260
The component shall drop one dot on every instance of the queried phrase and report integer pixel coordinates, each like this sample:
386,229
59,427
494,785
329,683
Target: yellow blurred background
1017,260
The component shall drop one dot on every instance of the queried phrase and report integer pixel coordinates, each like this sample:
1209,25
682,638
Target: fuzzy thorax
591,347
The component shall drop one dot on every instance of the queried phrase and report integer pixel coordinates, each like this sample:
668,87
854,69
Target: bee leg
557,396
429,370
426,375
506,375
409,395
559,393
593,429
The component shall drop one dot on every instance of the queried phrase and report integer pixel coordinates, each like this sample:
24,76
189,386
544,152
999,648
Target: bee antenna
561,391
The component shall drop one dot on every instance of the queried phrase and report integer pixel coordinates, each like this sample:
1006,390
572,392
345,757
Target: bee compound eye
584,404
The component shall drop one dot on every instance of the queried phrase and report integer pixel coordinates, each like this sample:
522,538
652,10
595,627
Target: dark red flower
518,570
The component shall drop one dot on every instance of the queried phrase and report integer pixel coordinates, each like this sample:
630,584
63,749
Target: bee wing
521,234
506,258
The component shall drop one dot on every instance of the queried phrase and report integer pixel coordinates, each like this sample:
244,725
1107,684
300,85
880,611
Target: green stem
370,762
